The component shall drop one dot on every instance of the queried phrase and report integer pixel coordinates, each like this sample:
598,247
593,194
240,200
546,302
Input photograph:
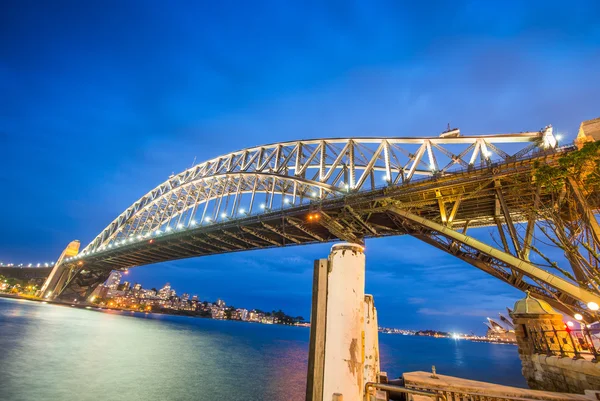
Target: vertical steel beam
454,210
589,217
253,194
442,207
386,158
531,219
508,219
502,234
352,174
417,160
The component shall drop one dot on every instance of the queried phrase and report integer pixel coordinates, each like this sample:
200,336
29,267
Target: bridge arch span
298,172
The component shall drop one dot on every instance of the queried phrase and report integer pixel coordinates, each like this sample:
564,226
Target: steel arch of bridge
361,187
294,173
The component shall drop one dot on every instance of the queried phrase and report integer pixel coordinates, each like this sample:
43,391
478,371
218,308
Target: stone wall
555,372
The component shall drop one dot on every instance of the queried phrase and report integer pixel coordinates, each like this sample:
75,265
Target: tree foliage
582,165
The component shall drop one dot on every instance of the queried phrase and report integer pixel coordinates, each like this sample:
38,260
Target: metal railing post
577,354
549,353
586,331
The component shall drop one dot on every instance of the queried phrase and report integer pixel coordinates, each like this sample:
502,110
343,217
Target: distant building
589,131
268,320
114,280
220,303
165,292
195,298
217,313
103,291
498,332
254,316
185,297
137,287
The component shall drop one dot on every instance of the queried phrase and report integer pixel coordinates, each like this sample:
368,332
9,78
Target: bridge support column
57,275
343,353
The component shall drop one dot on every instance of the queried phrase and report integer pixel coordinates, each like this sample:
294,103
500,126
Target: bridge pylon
59,273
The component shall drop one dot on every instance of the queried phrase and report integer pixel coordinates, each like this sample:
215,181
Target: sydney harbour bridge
435,189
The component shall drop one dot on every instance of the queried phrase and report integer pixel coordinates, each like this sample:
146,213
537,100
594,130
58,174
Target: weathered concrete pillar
371,341
344,364
337,341
57,273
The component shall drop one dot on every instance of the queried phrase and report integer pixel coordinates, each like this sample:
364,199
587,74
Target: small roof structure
589,131
533,306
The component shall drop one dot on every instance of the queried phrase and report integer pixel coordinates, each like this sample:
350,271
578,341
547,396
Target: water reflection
50,352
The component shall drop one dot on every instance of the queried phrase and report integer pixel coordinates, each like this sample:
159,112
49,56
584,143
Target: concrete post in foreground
339,344
49,286
371,344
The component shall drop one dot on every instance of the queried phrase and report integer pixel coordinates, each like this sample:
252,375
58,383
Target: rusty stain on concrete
353,363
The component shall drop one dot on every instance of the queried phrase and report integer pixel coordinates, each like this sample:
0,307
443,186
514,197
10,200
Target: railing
392,388
444,394
453,395
575,343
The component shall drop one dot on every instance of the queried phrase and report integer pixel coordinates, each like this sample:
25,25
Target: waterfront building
217,313
195,298
497,332
103,291
269,320
254,316
114,280
185,297
165,292
220,303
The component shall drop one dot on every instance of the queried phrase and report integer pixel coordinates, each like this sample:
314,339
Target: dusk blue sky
101,100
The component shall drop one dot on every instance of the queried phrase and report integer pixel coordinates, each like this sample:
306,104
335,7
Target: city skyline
94,118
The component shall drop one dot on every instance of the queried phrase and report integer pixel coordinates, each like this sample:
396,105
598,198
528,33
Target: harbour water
50,352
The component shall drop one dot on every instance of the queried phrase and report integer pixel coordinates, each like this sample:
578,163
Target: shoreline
96,308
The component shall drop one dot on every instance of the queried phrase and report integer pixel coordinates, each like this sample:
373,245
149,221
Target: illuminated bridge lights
314,217
29,265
